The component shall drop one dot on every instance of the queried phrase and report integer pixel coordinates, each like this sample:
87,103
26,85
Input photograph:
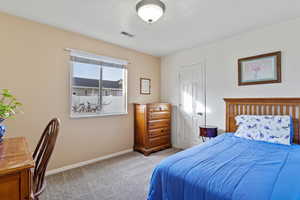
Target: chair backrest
43,153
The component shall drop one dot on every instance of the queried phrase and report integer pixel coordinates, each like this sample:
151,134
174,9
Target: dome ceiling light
150,10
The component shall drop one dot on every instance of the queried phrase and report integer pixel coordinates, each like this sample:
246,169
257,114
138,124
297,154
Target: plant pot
2,129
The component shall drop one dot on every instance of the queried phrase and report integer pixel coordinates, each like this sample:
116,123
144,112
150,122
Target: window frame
125,85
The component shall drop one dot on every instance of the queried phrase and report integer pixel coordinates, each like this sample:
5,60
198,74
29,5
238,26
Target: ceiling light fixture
150,10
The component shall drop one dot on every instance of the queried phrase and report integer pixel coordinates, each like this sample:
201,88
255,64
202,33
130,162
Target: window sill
99,115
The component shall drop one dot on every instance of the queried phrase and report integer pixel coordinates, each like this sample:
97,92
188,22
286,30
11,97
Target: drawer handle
162,131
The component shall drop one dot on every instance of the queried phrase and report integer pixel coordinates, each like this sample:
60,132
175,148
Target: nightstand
208,132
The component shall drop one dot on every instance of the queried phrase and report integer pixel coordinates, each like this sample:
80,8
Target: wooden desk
15,169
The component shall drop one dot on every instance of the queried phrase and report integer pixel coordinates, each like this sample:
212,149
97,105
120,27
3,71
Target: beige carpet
124,177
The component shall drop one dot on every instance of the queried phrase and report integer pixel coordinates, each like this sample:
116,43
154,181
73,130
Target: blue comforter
229,168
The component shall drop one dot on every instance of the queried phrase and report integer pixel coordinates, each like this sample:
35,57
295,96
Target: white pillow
268,128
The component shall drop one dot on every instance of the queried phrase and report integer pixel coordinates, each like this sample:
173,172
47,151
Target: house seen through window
98,87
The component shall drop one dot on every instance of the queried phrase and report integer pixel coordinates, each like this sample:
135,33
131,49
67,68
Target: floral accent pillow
268,128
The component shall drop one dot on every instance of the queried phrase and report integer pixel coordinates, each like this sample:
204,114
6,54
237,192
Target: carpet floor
124,177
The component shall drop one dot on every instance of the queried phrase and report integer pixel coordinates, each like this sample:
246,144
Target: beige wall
34,66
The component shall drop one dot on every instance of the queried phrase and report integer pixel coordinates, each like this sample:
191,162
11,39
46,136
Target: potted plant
9,106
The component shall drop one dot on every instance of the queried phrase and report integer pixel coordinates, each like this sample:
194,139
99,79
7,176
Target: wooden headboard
263,106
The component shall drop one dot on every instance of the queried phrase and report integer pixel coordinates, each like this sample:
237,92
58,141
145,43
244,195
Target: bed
233,168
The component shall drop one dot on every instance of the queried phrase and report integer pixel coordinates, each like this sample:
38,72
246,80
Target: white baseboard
80,164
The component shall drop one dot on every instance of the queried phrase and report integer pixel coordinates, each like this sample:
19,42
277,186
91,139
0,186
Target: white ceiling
186,23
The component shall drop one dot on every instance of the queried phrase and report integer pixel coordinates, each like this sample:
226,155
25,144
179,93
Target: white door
191,105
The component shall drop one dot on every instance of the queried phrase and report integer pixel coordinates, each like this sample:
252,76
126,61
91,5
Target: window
98,86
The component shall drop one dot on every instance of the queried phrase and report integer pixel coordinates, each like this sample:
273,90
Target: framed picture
145,86
261,69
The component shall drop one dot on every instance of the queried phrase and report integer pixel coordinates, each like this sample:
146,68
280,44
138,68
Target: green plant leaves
8,104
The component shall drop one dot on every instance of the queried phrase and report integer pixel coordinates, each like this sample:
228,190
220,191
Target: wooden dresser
152,127
15,169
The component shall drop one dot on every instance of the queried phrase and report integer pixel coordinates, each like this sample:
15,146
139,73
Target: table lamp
205,130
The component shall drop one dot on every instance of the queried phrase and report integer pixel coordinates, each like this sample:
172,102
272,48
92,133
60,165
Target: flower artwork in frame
261,69
145,86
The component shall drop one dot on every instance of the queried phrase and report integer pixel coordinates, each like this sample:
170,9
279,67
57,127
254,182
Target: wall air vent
127,34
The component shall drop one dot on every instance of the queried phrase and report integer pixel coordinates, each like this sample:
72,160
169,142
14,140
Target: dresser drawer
154,124
163,140
159,107
159,132
159,115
